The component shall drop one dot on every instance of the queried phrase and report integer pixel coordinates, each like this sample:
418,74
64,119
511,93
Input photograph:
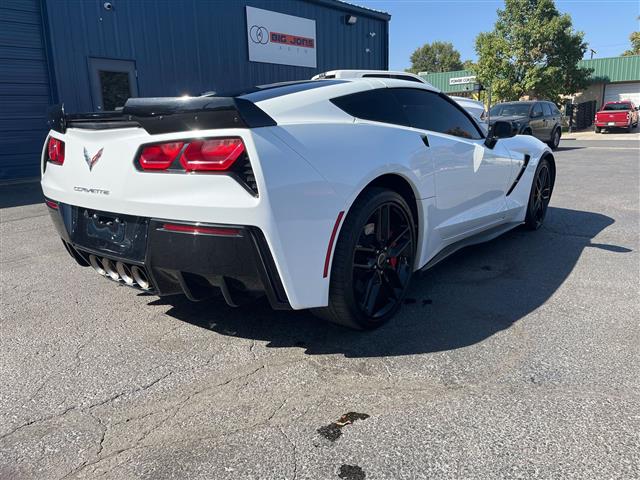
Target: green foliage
634,38
435,57
532,50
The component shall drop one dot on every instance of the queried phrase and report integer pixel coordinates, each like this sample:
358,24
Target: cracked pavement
518,358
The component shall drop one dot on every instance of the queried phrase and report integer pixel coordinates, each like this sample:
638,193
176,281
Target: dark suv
541,119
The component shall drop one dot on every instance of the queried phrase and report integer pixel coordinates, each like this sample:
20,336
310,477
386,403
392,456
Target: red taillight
215,154
51,204
160,156
55,150
196,229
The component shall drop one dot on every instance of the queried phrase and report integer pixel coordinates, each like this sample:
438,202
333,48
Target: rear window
617,106
377,105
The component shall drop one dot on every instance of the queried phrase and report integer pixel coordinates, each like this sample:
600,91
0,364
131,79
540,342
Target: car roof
346,73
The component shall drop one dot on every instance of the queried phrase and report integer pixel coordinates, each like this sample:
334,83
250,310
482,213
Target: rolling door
614,92
24,89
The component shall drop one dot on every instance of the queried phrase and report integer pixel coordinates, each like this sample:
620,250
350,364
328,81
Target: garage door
615,92
24,88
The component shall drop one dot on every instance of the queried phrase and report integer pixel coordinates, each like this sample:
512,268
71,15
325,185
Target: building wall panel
193,46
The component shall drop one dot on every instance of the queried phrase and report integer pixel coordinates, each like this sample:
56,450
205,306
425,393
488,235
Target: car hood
509,118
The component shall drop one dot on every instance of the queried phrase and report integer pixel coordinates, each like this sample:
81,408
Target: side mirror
499,129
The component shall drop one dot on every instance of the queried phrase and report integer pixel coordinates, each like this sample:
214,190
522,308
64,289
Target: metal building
93,54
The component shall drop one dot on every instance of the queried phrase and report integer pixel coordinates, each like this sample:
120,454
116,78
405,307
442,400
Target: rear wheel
597,129
373,261
540,196
555,139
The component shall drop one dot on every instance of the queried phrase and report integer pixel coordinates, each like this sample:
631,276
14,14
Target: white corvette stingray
325,194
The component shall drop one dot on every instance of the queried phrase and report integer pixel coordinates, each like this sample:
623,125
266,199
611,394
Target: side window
537,111
546,108
377,105
554,109
429,111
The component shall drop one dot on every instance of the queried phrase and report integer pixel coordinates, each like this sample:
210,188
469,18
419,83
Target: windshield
617,106
508,109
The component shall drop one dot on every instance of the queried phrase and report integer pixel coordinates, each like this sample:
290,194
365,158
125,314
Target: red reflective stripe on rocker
330,247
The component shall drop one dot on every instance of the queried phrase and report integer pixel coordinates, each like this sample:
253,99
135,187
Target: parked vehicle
540,119
324,194
623,114
475,108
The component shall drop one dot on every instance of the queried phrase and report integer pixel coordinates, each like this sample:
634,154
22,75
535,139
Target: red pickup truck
622,114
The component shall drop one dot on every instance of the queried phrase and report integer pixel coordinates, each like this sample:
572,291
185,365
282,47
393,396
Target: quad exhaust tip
110,269
125,273
131,275
96,263
140,278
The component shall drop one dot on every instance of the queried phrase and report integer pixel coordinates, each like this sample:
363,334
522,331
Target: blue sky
606,24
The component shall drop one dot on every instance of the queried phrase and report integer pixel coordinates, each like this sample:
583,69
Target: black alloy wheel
372,262
383,260
540,196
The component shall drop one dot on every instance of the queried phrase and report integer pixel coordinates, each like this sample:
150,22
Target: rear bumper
232,259
612,124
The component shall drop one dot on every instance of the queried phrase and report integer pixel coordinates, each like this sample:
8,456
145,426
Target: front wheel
373,261
540,195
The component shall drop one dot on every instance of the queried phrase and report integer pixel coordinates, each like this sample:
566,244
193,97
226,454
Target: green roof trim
613,69
441,80
605,70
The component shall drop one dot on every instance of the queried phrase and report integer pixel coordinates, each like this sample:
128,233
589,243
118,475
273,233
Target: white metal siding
614,92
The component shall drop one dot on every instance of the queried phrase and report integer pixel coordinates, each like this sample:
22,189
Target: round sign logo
259,34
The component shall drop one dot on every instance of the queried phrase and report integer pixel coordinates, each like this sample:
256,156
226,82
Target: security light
351,19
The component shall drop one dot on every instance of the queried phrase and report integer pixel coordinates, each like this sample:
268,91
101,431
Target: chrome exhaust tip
97,265
125,273
110,268
140,278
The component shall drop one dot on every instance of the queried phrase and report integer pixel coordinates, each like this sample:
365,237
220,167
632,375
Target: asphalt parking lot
518,358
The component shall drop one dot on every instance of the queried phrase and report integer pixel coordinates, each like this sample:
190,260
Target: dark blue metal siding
24,88
191,46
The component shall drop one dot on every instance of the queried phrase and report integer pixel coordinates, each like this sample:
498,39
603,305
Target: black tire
541,190
555,139
597,129
364,265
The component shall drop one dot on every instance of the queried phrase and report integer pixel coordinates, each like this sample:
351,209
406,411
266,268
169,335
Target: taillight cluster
198,155
55,151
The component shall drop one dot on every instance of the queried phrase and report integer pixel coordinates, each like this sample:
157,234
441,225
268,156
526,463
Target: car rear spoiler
166,115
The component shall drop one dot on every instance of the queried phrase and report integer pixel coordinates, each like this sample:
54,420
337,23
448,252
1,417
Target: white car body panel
309,167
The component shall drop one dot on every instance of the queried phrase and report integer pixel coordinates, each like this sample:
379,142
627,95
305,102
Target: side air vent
245,174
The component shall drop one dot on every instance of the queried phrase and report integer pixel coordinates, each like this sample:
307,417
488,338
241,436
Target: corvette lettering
97,191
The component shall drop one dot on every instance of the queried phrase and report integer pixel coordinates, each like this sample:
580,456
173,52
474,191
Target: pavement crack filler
294,453
351,472
333,431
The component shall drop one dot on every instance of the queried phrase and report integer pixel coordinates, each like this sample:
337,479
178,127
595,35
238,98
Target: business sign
462,80
278,38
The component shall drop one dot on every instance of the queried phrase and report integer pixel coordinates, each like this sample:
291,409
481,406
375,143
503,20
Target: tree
634,39
468,65
532,50
435,57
